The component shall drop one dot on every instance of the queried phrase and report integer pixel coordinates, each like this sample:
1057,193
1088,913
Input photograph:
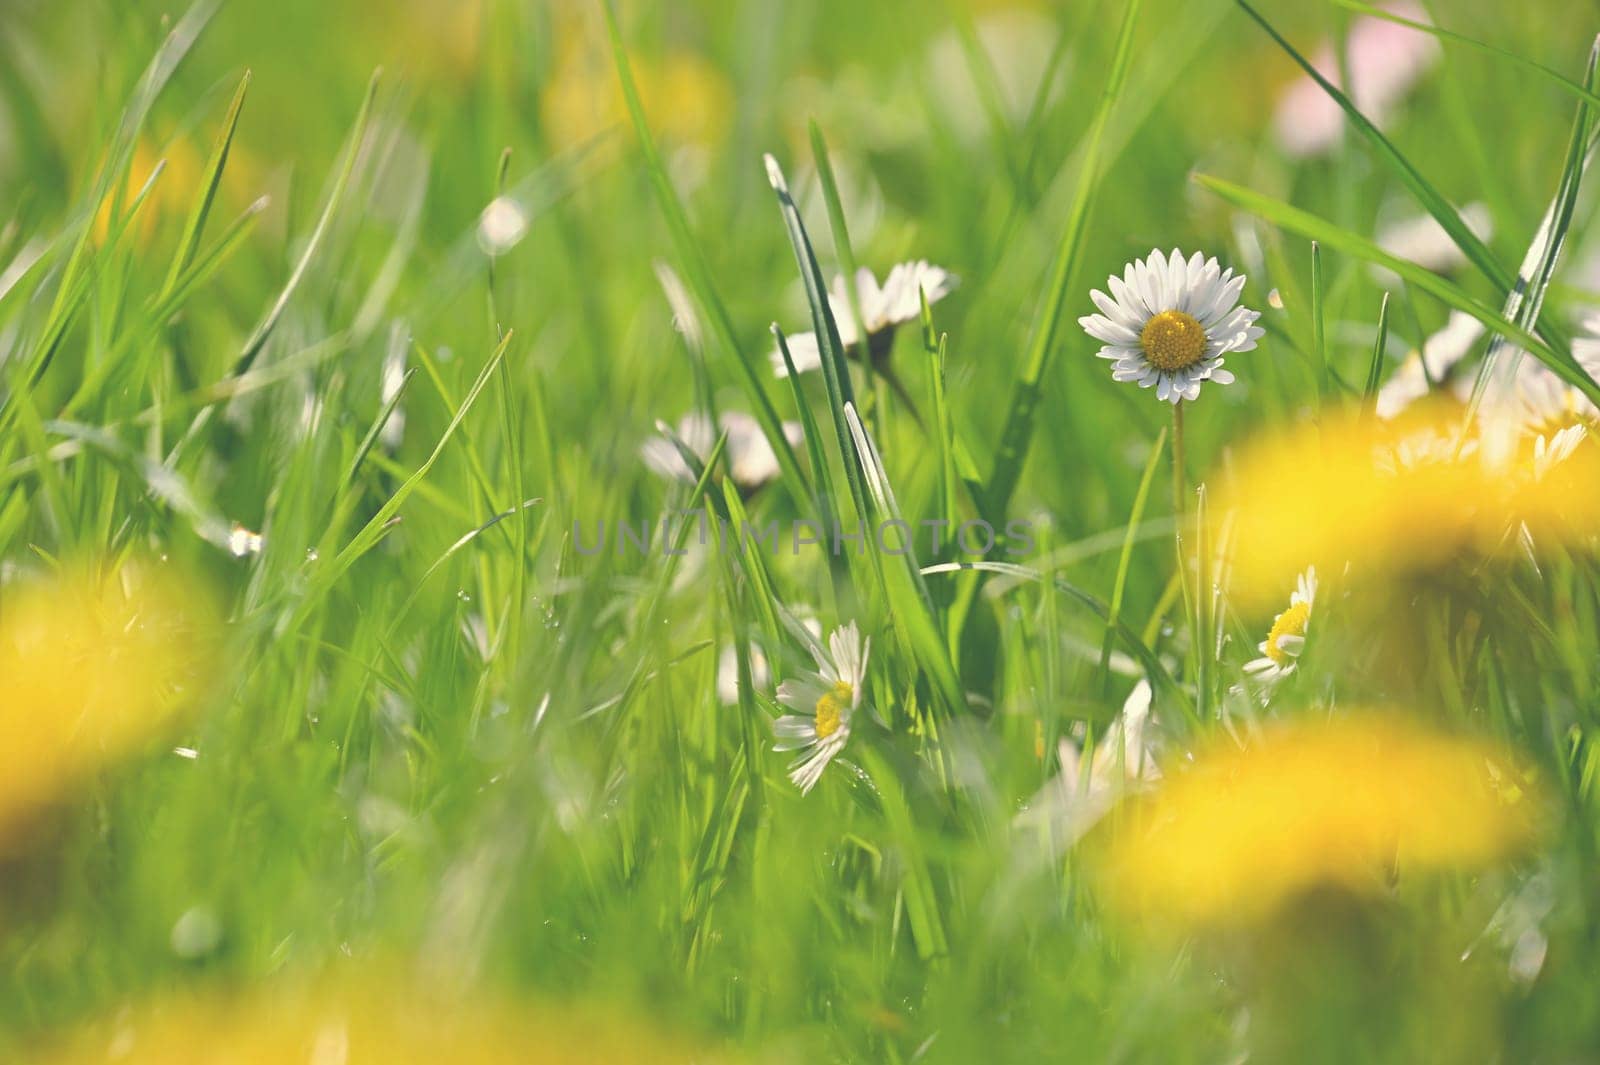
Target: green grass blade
841,240
194,226
263,331
1429,197
1319,324
1160,678
696,270
1539,263
1125,559
370,533
1017,435
1312,227
1369,395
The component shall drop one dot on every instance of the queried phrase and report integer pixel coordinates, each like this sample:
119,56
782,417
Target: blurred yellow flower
174,193
1345,803
92,664
365,1020
688,100
1388,498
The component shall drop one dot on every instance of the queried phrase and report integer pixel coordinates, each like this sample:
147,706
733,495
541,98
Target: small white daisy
749,456
1169,322
823,703
1280,651
883,309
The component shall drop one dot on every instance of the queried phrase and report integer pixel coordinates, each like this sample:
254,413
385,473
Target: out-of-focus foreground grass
325,739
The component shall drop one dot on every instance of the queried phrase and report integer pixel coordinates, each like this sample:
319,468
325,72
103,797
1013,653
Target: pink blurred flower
1385,61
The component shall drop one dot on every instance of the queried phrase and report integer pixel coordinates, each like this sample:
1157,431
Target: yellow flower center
830,708
1291,622
1173,340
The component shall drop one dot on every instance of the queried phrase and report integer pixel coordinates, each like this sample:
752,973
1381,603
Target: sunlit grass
330,336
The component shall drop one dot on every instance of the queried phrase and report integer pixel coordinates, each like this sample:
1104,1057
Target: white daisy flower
824,703
884,308
749,456
1440,355
1281,649
1169,322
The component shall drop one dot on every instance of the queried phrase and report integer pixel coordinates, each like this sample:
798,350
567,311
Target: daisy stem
1178,477
1178,510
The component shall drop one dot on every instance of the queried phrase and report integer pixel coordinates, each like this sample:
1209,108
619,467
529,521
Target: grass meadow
473,587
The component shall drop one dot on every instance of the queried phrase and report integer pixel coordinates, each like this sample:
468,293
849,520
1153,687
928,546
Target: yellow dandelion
364,1019
1387,498
94,664
1345,803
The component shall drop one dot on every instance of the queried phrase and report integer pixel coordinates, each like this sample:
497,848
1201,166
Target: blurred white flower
1169,322
823,703
749,456
393,379
1551,451
501,226
884,308
1422,240
1440,354
728,673
1385,61
243,543
1123,760
1546,404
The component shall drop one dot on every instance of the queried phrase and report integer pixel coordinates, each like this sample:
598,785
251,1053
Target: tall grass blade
1017,434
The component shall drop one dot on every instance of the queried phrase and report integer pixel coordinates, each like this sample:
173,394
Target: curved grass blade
1314,228
189,243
